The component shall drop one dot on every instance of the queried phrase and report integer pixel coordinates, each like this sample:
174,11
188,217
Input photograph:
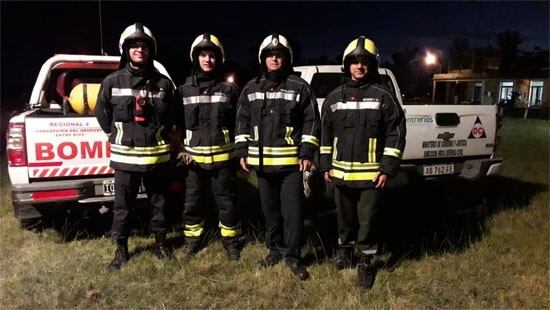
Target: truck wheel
29,216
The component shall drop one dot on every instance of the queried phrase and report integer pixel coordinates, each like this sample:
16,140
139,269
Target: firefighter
363,137
277,136
135,108
209,103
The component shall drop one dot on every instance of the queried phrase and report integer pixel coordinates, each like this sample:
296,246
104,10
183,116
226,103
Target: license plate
441,169
109,188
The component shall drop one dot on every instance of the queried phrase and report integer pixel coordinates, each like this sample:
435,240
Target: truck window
62,81
323,83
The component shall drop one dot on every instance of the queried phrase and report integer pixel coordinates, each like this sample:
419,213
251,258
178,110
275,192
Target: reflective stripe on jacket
209,121
137,146
277,123
363,132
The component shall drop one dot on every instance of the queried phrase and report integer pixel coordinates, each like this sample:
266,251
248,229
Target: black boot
299,270
121,255
366,272
232,248
161,249
344,258
270,260
192,245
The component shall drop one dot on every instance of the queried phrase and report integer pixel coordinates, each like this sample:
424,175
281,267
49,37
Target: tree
460,54
508,45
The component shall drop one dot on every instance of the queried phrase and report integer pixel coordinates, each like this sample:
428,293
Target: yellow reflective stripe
226,135
326,149
311,139
228,232
119,132
353,176
242,138
209,149
140,160
392,152
334,144
193,230
142,150
372,150
215,40
256,134
268,150
350,47
346,165
268,161
288,134
211,159
160,141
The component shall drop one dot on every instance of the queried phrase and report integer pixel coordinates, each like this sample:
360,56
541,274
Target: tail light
56,194
16,145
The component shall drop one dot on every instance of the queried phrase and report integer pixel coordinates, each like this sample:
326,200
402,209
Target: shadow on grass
432,217
425,217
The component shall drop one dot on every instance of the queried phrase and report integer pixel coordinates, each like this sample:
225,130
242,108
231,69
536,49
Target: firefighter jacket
363,132
277,123
135,107
209,107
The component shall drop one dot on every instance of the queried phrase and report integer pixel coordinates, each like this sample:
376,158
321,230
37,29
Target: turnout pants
357,212
127,185
222,182
281,199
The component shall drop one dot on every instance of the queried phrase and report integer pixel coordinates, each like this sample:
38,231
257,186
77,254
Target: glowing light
430,59
230,79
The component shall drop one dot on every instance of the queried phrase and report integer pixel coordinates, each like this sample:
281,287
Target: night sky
34,31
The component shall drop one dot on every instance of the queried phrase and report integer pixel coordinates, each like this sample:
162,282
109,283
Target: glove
185,158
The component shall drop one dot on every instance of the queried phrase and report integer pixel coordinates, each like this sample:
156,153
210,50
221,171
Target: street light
431,59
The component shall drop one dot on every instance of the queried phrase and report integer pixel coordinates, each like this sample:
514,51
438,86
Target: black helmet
207,41
275,42
361,46
135,32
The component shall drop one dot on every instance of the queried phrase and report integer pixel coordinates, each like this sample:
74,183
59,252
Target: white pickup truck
55,155
442,140
58,157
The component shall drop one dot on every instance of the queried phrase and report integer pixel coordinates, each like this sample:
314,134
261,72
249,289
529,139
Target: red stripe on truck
54,172
46,164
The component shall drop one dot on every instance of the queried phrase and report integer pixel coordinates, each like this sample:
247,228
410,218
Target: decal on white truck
66,147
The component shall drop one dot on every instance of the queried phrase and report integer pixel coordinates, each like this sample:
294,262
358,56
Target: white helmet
134,32
275,42
207,41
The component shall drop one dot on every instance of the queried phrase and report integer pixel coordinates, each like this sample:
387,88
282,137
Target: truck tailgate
63,147
450,131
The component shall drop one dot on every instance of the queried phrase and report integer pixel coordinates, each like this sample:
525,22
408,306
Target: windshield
323,83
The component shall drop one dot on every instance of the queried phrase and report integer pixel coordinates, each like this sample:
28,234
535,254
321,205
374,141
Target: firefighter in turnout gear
209,105
277,134
363,137
135,108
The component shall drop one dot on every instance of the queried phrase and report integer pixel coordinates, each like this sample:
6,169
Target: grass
470,245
